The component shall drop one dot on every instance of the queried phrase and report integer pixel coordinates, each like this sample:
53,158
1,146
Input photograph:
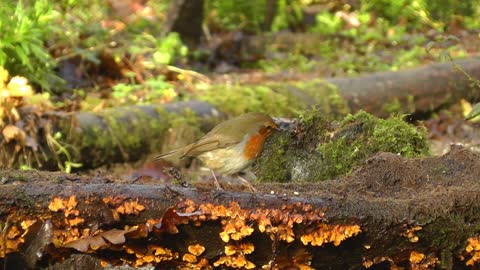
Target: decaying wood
413,213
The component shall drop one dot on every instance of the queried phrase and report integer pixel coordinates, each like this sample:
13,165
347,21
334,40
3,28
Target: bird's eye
271,127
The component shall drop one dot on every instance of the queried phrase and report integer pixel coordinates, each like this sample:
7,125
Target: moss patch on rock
317,149
361,135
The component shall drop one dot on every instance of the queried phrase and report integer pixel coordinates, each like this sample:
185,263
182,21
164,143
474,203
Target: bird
231,146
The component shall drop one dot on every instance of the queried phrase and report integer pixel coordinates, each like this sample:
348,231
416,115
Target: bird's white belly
228,160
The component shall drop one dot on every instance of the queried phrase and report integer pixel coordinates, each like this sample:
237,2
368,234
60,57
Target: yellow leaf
19,87
3,77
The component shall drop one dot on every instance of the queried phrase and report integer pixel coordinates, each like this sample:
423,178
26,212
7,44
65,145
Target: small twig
117,142
206,32
189,72
80,52
474,81
138,75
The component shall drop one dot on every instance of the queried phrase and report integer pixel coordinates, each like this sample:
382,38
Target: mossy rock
318,149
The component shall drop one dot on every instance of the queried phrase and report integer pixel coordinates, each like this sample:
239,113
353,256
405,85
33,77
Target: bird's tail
177,153
173,153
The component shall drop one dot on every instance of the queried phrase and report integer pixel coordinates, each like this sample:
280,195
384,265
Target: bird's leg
217,184
248,184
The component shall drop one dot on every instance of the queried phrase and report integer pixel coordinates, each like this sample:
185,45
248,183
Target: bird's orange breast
255,143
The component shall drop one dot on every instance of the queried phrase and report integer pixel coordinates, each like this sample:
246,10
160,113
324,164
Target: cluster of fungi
146,243
233,243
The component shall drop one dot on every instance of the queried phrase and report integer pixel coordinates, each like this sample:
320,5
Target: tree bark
270,13
385,213
186,17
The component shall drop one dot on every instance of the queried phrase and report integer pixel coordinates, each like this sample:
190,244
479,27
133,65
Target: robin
231,146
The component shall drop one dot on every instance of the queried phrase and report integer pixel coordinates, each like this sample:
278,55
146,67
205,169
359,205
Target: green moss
270,169
286,157
362,135
396,136
397,107
320,150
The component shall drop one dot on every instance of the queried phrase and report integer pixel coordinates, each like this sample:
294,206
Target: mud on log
418,213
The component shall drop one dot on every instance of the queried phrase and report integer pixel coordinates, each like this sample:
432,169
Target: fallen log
413,91
113,135
386,213
421,90
129,133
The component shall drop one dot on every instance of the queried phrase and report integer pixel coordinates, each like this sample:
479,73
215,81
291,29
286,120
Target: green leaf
23,57
162,57
474,112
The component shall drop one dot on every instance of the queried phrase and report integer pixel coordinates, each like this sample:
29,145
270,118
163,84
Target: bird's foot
248,184
215,180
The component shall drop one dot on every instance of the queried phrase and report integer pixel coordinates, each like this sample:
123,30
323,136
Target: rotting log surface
418,213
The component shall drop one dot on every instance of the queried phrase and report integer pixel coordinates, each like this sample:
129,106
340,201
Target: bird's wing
209,143
219,137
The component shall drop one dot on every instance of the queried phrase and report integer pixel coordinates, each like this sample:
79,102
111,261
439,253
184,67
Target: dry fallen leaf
11,132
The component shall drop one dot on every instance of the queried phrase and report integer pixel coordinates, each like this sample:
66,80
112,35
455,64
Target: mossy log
392,212
128,133
419,90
